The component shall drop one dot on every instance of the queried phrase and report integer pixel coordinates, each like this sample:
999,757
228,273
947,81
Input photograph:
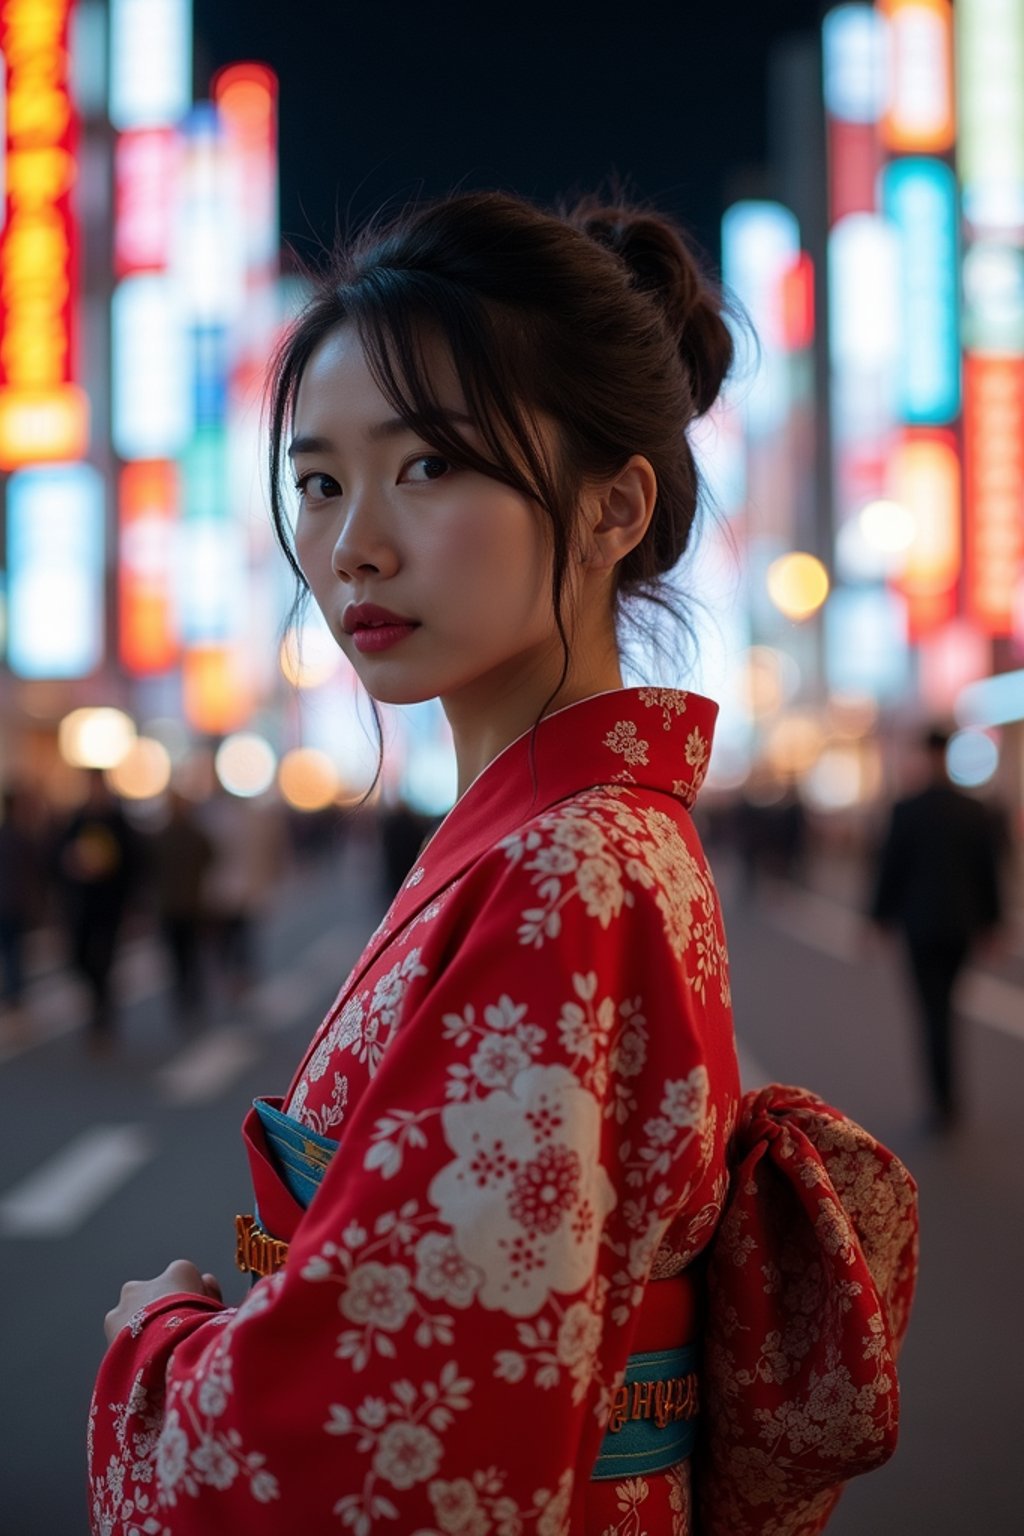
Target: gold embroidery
256,1252
663,1401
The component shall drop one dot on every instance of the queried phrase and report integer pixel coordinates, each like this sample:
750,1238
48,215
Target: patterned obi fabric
653,1422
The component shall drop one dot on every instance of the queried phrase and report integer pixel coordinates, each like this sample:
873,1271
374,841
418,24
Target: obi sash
653,1421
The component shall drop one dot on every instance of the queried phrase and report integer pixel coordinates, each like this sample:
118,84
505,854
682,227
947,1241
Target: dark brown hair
599,318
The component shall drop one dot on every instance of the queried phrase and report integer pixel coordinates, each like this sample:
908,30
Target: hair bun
662,265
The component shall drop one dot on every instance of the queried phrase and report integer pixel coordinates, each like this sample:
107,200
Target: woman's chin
396,691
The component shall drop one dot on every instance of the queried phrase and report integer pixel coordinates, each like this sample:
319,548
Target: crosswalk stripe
204,1069
836,930
59,1196
994,1002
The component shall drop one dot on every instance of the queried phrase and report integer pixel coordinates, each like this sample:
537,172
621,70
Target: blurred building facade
142,599
877,425
866,568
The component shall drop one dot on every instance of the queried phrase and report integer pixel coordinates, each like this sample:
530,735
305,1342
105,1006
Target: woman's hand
179,1275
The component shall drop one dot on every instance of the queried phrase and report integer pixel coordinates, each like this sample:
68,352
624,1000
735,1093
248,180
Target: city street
112,1166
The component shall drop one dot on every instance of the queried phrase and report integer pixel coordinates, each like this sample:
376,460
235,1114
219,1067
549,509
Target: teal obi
653,1422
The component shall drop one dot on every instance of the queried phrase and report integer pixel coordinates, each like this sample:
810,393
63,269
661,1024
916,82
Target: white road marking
816,920
62,1194
826,925
204,1069
752,1074
300,994
992,1001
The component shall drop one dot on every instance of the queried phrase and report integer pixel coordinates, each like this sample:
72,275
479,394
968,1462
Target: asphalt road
110,1167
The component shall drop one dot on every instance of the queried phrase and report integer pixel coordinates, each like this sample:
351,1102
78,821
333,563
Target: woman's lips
380,637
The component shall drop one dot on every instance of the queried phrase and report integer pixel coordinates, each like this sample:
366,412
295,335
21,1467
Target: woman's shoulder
618,821
612,860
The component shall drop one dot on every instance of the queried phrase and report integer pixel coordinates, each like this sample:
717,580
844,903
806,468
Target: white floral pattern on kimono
531,1077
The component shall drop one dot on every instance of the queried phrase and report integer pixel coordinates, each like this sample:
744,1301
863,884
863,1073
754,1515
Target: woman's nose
363,546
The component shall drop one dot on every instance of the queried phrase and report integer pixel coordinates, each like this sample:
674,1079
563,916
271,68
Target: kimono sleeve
461,1295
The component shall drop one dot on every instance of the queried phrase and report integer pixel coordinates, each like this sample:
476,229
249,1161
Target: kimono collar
656,738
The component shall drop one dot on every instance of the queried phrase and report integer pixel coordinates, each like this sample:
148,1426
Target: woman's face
434,579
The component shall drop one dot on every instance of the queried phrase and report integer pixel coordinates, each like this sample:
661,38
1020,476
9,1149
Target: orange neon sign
924,476
147,512
216,691
43,413
920,117
994,469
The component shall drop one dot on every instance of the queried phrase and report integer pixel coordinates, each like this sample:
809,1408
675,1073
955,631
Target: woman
480,1315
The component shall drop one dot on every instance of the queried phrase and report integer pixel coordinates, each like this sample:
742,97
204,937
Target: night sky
384,101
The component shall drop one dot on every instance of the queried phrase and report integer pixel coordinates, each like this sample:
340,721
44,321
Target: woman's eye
316,486
429,466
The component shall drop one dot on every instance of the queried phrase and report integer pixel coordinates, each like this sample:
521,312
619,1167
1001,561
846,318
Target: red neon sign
43,414
147,511
144,171
994,467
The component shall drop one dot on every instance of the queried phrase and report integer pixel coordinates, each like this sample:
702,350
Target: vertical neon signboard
55,571
919,115
994,469
990,137
760,247
919,197
150,62
43,413
854,72
147,513
924,477
145,167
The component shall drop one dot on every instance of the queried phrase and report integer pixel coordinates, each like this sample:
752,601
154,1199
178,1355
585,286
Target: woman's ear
618,513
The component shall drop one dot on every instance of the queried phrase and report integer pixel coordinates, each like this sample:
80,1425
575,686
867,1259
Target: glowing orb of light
245,764
307,779
143,772
972,757
95,738
798,585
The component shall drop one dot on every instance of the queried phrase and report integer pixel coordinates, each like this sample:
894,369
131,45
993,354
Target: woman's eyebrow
394,426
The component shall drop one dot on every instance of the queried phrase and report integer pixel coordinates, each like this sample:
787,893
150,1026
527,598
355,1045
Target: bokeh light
794,745
888,526
798,585
95,738
309,657
836,781
245,764
307,779
770,678
144,772
972,758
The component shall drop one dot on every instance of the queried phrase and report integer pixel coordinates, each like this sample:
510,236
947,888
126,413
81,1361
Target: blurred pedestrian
249,855
21,885
180,854
96,865
938,882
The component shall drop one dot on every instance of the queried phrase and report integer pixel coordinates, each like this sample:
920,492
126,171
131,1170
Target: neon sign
43,413
924,475
994,464
55,571
919,196
919,116
147,512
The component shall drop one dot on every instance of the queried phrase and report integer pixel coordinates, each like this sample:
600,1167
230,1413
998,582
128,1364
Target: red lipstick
374,628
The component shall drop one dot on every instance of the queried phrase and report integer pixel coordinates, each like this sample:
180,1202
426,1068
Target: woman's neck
488,717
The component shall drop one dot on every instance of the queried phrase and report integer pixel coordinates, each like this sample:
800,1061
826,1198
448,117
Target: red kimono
531,1076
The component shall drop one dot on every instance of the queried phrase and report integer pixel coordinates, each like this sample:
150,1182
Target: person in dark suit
939,882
